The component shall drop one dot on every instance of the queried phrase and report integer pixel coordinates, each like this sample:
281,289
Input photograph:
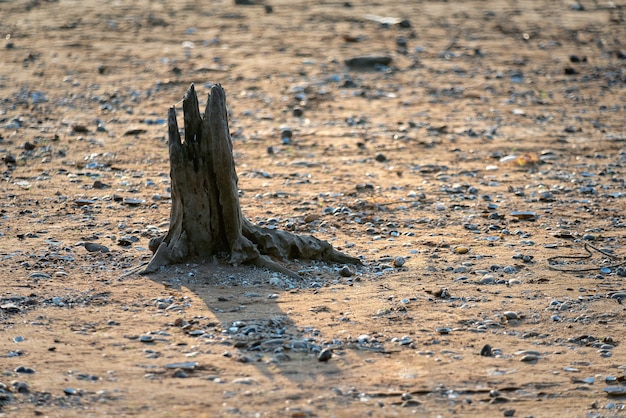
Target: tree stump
206,218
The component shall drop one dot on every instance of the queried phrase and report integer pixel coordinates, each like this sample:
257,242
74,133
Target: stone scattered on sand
369,61
93,247
325,355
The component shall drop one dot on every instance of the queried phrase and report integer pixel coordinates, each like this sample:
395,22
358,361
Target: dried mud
478,146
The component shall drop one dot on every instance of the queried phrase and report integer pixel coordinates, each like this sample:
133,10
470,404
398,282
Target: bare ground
492,143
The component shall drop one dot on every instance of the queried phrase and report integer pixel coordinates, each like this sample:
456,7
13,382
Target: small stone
311,217
132,201
487,279
524,215
486,351
25,370
528,352
406,340
615,390
39,275
187,365
381,158
461,250
509,413
146,339
70,391
510,315
368,61
346,272
398,261
92,247
325,354
9,159
286,135
181,374
20,387
280,357
245,381
84,202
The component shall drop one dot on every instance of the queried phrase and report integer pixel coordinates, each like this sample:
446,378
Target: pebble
345,271
187,365
20,387
146,339
398,261
92,247
528,353
132,201
25,370
510,270
525,215
461,250
39,275
311,217
487,279
99,185
510,315
280,358
380,158
325,355
84,202
245,381
406,340
486,351
368,61
615,390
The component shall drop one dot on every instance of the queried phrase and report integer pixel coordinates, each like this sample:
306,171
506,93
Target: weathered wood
206,217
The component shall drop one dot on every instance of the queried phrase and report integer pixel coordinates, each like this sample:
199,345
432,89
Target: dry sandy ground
491,143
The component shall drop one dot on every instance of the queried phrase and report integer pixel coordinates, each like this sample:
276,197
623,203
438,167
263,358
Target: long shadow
245,323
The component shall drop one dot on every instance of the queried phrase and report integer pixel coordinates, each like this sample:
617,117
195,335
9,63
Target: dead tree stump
206,217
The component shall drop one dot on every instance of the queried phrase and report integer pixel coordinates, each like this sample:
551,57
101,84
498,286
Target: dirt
463,171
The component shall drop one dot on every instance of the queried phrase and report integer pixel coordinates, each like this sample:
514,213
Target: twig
580,257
